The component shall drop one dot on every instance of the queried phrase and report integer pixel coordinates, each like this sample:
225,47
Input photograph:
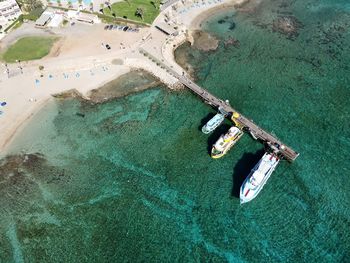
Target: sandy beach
91,67
196,22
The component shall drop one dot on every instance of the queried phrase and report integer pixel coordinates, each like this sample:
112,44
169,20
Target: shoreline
131,61
29,104
197,21
21,125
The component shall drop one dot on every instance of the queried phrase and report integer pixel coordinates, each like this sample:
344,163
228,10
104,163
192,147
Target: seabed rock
232,42
287,25
204,41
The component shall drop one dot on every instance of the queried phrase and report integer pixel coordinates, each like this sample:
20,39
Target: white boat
213,123
225,142
258,177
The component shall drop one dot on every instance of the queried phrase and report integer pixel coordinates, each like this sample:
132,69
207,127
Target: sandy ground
80,62
90,39
80,40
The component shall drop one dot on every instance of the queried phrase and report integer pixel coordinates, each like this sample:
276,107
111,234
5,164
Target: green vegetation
29,48
65,22
17,23
33,15
30,5
139,10
119,20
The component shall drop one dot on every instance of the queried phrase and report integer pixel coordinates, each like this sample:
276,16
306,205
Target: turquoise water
131,180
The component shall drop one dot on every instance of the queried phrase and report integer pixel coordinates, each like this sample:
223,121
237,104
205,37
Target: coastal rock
177,86
72,93
204,41
288,26
131,82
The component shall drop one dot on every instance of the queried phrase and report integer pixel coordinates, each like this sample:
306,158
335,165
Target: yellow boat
225,142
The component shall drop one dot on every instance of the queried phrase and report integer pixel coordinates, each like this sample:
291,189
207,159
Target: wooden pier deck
247,125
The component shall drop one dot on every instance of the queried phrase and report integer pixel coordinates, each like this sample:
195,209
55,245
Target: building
82,17
44,19
9,11
87,18
56,20
167,29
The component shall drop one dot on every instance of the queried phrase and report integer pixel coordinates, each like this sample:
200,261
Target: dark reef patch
288,26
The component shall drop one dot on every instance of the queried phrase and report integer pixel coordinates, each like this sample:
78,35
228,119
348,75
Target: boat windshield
216,151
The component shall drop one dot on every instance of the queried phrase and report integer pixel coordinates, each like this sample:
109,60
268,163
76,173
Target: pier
244,123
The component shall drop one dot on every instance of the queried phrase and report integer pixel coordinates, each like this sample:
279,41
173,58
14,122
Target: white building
44,19
9,10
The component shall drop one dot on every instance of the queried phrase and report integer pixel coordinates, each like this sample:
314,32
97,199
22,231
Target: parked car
108,46
125,28
106,27
110,27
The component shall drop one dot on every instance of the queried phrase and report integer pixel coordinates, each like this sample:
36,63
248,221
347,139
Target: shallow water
131,180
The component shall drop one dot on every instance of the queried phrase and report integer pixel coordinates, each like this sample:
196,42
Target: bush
18,20
34,14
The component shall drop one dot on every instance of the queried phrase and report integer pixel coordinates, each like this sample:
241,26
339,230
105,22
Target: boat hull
249,190
215,154
213,123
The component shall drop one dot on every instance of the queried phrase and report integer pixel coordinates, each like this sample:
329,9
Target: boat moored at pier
257,178
225,142
214,122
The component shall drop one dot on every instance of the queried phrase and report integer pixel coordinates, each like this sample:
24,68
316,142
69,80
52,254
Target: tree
59,2
29,5
127,2
139,12
70,4
101,8
155,3
80,2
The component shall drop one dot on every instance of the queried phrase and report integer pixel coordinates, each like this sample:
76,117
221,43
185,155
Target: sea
131,179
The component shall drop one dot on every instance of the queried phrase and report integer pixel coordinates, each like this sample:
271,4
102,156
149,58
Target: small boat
213,123
225,142
253,135
258,177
